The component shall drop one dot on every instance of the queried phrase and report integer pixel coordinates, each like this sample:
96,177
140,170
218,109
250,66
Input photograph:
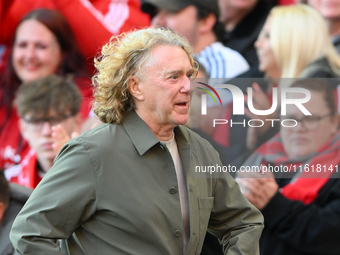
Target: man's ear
2,210
23,128
207,24
135,88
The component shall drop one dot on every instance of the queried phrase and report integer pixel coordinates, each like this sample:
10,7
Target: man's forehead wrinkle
175,71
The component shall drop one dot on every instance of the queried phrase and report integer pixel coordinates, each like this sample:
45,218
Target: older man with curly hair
126,187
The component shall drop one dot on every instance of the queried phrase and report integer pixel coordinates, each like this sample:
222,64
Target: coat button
172,190
178,233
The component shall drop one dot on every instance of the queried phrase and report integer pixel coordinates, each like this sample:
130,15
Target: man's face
329,9
165,88
311,133
38,131
183,22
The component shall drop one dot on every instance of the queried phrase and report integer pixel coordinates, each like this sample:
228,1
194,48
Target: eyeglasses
309,122
36,124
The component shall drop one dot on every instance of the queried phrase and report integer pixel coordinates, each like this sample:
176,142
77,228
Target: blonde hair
121,59
299,36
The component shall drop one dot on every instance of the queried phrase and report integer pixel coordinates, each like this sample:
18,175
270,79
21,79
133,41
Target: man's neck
333,26
204,41
163,133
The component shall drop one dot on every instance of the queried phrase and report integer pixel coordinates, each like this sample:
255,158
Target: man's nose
186,85
46,128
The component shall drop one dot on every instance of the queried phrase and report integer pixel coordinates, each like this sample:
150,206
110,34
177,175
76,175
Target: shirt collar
141,135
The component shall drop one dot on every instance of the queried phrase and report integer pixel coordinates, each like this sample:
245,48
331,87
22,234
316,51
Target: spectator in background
12,199
243,21
198,21
330,11
294,43
301,208
43,45
41,104
93,22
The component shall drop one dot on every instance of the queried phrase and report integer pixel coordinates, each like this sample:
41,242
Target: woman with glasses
297,186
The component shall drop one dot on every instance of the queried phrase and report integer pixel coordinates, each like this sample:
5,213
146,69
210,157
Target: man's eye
287,117
289,122
174,77
310,119
35,122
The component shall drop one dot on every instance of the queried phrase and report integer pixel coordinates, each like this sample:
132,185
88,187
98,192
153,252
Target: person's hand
258,191
260,102
60,137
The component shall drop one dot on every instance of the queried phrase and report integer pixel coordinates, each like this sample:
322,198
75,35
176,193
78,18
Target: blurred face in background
36,52
267,61
183,22
37,130
312,131
329,9
231,8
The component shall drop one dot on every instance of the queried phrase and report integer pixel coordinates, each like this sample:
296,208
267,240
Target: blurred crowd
47,51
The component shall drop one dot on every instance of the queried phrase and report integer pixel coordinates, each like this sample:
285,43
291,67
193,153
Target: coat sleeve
235,221
64,199
310,229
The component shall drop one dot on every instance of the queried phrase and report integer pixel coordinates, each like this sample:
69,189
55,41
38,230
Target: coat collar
143,138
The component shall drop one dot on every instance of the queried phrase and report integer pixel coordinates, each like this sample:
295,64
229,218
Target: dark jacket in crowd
244,35
293,228
19,196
